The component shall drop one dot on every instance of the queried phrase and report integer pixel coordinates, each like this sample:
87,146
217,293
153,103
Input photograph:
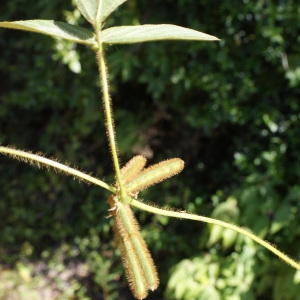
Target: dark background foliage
230,109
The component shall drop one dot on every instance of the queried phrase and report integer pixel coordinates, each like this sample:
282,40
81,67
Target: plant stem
37,160
109,124
184,215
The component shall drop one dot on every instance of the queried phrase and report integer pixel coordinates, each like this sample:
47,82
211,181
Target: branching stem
39,160
183,215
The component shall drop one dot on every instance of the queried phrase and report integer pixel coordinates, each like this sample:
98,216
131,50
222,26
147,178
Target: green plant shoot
134,177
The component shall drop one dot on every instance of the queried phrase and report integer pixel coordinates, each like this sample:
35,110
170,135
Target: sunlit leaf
229,238
215,235
209,292
146,33
55,29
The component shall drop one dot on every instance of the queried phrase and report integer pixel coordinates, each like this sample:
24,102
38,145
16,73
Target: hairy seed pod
133,168
155,174
138,263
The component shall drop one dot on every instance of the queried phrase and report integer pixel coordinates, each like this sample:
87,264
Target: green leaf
93,10
229,238
107,7
216,233
209,292
146,33
54,28
88,9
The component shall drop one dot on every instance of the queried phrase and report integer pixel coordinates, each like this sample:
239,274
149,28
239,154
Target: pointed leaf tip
147,33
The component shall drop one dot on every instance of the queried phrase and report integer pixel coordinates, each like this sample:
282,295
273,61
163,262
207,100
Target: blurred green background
230,109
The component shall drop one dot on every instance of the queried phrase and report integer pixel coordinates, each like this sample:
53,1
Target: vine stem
109,121
184,215
36,159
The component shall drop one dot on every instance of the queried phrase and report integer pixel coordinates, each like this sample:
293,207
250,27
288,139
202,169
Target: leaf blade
147,33
88,8
107,7
97,11
55,29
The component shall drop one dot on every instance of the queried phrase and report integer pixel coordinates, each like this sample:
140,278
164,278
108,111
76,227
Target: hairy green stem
184,215
109,124
35,159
